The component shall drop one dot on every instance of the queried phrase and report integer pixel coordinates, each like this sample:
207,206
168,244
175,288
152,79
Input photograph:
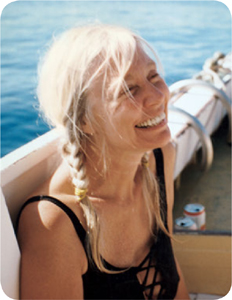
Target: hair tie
144,160
80,193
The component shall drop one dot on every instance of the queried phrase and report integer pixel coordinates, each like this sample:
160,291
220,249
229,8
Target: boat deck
211,189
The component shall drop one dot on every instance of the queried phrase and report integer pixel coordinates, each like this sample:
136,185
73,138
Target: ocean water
184,34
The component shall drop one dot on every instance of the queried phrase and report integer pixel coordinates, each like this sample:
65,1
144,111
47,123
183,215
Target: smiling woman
115,183
141,103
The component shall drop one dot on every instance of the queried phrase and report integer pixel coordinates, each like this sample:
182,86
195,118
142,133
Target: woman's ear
87,126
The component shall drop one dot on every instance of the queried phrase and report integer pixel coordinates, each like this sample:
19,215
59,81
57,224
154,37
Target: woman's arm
53,259
169,153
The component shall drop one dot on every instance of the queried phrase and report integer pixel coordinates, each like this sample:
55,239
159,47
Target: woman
101,228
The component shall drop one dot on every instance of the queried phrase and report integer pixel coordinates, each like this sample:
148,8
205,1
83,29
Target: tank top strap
72,216
161,178
159,164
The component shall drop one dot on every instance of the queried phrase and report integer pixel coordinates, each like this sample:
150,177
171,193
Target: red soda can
196,212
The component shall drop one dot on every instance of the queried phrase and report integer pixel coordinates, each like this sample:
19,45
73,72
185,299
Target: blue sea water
184,33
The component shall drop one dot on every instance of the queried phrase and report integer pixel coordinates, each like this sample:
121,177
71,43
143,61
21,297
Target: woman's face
138,122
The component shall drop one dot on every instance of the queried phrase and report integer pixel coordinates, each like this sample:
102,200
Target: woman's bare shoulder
45,229
60,187
42,215
44,225
50,251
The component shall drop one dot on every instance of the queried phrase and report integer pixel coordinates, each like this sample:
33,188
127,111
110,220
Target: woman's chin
159,141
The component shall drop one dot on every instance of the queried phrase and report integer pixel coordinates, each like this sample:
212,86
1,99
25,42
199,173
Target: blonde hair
75,60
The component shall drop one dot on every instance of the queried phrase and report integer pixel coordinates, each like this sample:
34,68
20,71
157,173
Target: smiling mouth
152,122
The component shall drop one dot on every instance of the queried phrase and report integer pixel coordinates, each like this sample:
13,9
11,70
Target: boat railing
204,138
184,86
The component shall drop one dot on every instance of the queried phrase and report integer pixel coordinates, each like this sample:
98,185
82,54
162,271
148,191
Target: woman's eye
132,88
129,90
154,76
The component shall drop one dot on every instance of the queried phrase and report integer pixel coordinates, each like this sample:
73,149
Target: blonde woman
101,226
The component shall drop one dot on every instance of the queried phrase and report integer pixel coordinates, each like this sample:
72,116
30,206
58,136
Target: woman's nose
154,95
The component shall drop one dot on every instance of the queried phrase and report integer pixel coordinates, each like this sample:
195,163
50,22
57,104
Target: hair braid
75,157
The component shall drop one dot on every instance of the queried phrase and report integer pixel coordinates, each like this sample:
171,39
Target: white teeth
149,123
152,122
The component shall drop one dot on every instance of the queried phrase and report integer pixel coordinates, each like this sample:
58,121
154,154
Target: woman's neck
120,180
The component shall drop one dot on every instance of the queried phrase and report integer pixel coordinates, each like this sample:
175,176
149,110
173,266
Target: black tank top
125,285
